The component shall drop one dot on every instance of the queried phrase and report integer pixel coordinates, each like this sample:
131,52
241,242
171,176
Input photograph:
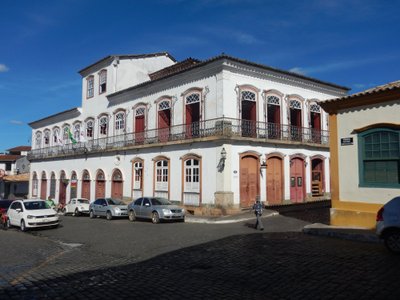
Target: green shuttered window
379,158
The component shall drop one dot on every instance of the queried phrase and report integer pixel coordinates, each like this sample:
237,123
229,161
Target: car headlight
117,209
166,211
183,210
30,217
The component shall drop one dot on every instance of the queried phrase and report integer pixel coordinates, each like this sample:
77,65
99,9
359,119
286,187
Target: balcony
221,128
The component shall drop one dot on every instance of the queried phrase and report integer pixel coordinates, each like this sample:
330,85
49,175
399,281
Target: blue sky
43,44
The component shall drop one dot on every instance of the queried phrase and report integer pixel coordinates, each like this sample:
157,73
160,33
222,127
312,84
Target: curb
205,220
346,233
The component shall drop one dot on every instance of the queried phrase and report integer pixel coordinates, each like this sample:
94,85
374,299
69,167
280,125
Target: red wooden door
43,189
116,190
164,123
297,183
316,127
86,189
317,177
62,192
192,119
100,189
274,181
249,117
296,124
139,129
249,181
274,121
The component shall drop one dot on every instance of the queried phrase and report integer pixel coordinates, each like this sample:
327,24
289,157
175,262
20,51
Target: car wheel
76,213
132,216
91,214
109,215
155,218
392,241
8,224
23,227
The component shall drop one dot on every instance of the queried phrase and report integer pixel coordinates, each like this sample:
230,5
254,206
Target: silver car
107,207
388,224
156,209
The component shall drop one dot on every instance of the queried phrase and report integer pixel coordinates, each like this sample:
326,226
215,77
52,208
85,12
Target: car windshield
160,201
33,205
5,203
113,201
84,201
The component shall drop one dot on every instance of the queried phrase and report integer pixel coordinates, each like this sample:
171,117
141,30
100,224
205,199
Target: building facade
14,173
365,153
214,133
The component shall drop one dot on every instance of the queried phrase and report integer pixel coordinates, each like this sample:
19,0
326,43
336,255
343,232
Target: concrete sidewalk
319,229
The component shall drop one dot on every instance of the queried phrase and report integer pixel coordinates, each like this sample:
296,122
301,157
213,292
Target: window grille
295,104
248,96
273,100
192,98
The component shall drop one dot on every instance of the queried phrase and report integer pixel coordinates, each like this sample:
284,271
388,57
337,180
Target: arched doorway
274,117
85,185
139,125
295,120
53,183
192,103
63,188
43,186
164,120
74,186
100,185
317,177
297,183
315,122
274,180
249,179
137,166
117,185
249,113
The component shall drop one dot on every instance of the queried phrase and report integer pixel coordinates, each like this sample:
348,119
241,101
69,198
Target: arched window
38,140
164,119
90,87
193,113
315,122
296,118
192,180
137,170
102,81
34,185
77,132
89,128
120,123
161,178
46,138
103,126
273,114
248,112
66,131
140,123
56,136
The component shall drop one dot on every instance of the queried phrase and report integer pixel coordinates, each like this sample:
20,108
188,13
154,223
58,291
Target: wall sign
346,141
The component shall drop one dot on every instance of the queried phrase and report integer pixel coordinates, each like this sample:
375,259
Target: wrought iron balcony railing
219,128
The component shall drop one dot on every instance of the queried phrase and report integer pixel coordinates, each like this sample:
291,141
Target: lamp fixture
221,163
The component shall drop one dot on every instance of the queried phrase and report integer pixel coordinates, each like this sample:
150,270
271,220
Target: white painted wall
347,121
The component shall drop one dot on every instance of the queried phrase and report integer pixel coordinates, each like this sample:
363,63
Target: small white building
213,133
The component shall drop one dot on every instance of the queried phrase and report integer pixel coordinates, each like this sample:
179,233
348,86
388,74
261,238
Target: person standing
258,210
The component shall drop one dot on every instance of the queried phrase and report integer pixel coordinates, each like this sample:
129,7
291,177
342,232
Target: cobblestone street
236,263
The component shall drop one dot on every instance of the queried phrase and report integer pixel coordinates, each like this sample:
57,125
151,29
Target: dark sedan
156,209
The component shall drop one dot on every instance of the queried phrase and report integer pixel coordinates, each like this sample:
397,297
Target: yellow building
365,153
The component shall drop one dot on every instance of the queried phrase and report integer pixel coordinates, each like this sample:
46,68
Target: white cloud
298,70
16,122
3,68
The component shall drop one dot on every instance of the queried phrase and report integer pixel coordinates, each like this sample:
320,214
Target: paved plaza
100,259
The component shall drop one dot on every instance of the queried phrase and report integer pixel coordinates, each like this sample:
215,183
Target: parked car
388,224
155,208
4,205
31,213
108,207
77,207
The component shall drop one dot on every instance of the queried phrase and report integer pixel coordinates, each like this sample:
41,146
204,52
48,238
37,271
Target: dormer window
102,81
90,87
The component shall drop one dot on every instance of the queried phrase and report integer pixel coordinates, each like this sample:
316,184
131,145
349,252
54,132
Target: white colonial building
214,133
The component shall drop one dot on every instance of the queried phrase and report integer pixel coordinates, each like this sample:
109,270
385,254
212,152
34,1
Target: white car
31,214
388,224
77,206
